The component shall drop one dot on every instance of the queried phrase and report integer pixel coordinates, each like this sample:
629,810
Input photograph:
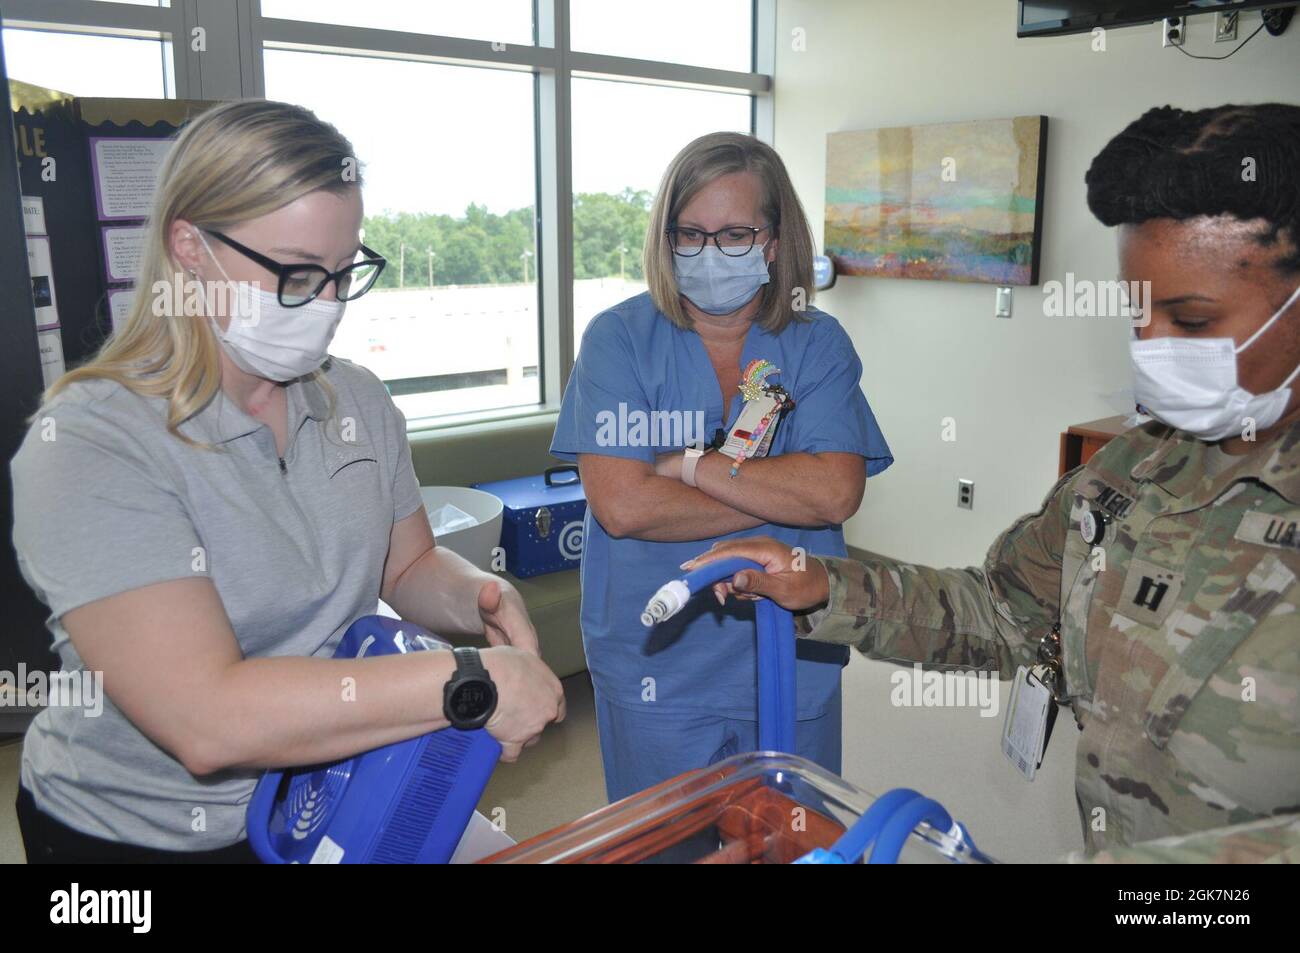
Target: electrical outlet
966,494
1225,27
1172,31
1002,303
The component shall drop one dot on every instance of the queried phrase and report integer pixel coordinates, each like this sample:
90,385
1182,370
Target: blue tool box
541,527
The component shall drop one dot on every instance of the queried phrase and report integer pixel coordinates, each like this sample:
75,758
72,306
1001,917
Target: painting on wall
951,202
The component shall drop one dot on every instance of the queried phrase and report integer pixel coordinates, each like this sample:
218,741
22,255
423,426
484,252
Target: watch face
471,700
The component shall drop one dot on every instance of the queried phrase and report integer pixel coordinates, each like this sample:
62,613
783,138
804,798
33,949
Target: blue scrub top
703,659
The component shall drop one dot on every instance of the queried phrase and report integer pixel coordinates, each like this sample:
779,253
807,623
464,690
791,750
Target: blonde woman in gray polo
210,502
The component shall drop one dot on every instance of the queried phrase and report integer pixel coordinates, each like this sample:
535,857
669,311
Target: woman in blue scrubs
728,261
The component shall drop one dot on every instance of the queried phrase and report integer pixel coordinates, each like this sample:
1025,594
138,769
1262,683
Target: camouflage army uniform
1181,656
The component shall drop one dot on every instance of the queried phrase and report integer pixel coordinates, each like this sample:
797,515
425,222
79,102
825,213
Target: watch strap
468,661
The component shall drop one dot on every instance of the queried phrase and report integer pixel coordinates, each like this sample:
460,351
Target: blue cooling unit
408,802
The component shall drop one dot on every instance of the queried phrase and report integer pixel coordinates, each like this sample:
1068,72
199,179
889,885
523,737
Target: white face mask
720,284
266,339
1191,384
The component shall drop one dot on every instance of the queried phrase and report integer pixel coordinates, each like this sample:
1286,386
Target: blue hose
889,822
891,819
895,831
776,664
854,842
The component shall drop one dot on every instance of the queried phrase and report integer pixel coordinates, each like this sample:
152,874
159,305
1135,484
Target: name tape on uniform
1267,529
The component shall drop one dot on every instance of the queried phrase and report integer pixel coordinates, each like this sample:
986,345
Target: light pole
525,256
431,257
622,250
401,268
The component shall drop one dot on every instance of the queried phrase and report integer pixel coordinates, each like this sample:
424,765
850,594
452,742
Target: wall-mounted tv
1048,18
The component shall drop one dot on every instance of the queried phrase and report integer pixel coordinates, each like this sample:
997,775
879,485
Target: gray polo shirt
296,550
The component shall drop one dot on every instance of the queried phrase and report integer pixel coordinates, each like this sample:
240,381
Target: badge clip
765,404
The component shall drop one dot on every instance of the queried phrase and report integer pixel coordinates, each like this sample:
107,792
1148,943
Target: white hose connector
665,603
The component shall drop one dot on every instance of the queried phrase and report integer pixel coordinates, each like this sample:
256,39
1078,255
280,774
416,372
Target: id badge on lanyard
751,435
1031,714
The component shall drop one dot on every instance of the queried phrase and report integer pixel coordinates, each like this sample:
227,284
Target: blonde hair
234,163
700,163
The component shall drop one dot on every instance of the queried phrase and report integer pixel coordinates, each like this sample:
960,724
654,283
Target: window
87,65
618,160
715,33
498,21
480,126
449,183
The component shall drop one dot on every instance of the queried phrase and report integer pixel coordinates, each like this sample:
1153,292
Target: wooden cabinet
1081,441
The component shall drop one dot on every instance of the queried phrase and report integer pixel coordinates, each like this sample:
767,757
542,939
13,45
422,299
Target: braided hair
1242,161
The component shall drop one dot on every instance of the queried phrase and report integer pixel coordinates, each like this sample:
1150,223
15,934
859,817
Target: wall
932,350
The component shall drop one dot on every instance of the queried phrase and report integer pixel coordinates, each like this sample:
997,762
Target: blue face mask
720,284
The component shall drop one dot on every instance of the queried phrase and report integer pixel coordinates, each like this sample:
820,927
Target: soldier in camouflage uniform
1181,655
1179,622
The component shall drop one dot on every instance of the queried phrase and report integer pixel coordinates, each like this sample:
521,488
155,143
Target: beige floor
557,780
11,845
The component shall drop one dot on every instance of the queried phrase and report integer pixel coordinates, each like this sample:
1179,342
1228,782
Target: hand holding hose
791,580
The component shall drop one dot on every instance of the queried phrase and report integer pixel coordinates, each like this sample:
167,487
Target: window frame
231,67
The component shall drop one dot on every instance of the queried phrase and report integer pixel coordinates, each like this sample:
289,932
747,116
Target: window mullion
252,77
208,51
555,201
91,16
764,121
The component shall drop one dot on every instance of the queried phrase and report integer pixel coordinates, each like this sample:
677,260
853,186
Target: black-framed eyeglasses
732,240
300,284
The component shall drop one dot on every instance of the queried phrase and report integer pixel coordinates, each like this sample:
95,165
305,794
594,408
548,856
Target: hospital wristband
690,460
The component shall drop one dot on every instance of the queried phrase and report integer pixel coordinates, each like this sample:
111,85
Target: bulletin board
74,173
87,170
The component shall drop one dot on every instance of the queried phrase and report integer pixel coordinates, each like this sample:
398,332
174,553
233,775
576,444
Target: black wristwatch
470,696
